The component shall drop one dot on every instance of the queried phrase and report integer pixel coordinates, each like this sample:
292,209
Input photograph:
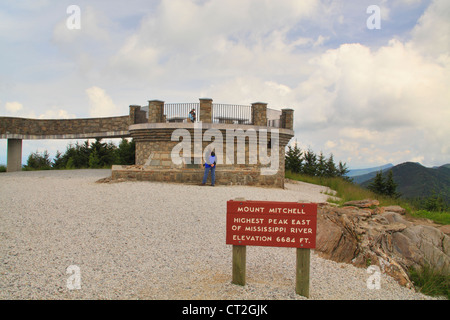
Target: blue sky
368,96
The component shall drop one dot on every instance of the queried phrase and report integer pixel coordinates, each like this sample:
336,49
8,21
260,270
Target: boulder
445,229
396,209
367,203
363,236
393,217
431,246
334,241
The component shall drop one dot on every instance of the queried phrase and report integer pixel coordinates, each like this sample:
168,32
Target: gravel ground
145,240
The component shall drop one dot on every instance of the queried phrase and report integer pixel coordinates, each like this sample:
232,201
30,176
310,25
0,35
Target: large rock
445,229
396,209
363,203
364,237
333,240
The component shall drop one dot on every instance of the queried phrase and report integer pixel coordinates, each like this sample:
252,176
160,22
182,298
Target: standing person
210,165
192,115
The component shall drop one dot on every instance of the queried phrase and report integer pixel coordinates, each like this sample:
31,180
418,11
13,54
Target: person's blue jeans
213,175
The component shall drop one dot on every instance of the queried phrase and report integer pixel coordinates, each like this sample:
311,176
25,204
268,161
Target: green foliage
38,161
294,160
419,184
2,168
390,187
435,202
345,190
310,164
382,186
441,217
348,191
342,170
126,152
81,156
377,184
430,281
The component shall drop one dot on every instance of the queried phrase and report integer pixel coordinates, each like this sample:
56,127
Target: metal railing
179,112
273,118
220,113
231,113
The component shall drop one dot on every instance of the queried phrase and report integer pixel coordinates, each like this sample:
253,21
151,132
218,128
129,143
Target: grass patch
438,217
348,191
431,282
345,190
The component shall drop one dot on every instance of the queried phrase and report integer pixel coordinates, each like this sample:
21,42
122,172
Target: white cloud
13,107
94,27
366,102
185,39
101,105
244,52
56,114
431,35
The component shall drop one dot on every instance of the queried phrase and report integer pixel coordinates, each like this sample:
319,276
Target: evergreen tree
378,184
58,161
390,187
310,165
342,170
37,161
435,202
321,165
293,159
331,170
126,152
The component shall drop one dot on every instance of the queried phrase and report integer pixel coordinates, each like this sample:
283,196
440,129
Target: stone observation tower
249,141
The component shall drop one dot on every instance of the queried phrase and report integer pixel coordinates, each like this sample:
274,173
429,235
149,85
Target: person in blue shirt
192,115
210,165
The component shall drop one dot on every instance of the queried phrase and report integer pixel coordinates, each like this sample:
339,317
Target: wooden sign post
302,272
274,224
239,265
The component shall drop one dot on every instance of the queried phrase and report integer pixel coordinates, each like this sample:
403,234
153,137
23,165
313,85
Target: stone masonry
154,143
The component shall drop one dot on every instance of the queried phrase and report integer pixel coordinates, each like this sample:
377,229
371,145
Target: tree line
86,155
384,186
308,163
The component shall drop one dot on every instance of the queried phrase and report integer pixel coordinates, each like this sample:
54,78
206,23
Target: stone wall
35,128
154,160
224,176
137,115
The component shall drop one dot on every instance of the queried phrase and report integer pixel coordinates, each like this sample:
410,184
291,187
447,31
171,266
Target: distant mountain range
360,172
413,179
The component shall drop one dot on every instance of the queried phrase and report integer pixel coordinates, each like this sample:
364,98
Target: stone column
155,111
287,119
206,110
14,157
259,114
133,110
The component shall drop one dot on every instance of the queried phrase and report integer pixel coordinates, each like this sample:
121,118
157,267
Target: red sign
273,224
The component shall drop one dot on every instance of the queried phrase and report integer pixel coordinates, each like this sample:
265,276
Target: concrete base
14,160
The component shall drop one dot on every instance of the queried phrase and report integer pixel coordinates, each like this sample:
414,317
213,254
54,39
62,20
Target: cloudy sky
369,96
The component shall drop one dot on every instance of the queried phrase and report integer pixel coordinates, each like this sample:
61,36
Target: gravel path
145,240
